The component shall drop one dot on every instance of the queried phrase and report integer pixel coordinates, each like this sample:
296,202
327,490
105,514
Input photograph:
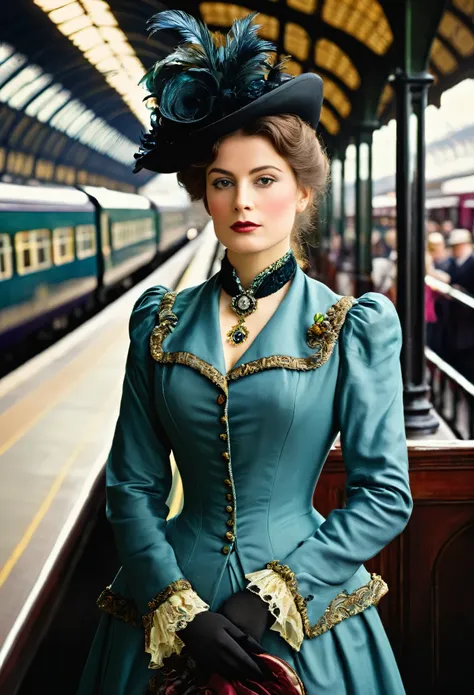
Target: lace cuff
165,618
277,585
272,589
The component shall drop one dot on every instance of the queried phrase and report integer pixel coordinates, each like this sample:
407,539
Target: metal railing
452,394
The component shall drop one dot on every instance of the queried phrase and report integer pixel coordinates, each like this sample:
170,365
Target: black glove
248,612
220,647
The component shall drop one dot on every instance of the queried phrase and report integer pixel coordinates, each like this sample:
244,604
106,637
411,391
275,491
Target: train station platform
57,417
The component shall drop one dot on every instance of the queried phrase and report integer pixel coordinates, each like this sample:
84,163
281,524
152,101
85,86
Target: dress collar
198,328
195,340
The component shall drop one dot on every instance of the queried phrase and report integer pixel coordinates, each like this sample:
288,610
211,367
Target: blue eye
222,184
266,178
220,181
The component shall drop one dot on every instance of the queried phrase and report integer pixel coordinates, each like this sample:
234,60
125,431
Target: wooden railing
429,610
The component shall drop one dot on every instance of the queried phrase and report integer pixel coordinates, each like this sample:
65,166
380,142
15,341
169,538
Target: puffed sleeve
369,409
138,482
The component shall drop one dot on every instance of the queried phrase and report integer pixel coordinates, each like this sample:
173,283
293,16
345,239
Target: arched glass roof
92,27
304,29
87,56
24,86
365,20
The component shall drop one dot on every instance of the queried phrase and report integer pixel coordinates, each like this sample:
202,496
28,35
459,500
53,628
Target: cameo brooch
243,304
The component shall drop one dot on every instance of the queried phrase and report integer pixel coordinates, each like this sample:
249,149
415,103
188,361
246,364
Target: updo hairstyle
298,144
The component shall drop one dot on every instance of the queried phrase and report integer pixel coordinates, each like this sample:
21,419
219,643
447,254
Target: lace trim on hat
162,624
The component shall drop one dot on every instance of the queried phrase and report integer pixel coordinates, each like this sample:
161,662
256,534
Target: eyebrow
253,171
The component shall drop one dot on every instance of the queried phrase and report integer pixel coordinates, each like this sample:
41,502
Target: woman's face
250,182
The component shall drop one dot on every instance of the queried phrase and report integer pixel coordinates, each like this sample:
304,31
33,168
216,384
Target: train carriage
65,250
128,233
48,257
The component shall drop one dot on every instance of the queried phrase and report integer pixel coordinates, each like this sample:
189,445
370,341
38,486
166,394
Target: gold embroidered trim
343,606
119,607
324,343
166,322
335,317
168,591
190,360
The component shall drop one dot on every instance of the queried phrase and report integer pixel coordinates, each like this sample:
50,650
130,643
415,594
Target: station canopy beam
83,58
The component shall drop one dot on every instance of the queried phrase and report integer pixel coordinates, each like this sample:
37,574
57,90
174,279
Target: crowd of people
450,259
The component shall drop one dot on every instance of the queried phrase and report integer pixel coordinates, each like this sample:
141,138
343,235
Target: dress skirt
353,658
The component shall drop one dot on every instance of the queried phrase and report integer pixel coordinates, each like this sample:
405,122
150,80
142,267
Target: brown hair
298,144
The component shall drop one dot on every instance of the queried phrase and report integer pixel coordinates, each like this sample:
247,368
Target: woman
248,378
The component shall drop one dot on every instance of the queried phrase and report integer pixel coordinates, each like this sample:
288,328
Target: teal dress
254,441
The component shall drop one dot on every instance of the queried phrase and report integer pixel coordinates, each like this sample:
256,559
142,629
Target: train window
148,228
85,240
130,232
6,257
33,250
63,245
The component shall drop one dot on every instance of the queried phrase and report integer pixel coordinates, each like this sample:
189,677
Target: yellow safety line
40,514
73,373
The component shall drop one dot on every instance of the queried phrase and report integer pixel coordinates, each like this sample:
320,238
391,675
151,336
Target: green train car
63,250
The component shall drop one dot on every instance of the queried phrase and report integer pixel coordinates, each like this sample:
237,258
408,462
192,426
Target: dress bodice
250,444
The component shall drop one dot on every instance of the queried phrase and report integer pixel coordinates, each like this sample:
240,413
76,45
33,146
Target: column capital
415,80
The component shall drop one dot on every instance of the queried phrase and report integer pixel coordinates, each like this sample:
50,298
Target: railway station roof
71,110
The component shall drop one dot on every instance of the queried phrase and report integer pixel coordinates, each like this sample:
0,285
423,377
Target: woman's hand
248,612
218,646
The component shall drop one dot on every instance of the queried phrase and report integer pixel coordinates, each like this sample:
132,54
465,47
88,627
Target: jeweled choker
244,302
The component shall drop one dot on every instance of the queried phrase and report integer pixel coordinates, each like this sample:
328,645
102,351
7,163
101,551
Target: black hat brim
301,96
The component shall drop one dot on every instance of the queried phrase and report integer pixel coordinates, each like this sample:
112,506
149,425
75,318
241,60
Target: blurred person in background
437,250
382,266
432,226
461,264
436,305
378,247
390,240
460,331
446,228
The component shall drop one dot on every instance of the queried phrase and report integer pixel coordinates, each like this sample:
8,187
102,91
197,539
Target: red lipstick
241,226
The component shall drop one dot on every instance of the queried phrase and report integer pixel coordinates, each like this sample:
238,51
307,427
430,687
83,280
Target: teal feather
240,60
203,80
191,30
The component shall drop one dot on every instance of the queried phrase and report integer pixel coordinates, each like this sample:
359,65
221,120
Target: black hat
211,85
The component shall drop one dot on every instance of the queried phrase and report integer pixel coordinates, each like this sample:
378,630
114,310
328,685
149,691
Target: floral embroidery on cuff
274,591
161,624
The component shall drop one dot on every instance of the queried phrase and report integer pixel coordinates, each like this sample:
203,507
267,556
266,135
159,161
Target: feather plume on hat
206,77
